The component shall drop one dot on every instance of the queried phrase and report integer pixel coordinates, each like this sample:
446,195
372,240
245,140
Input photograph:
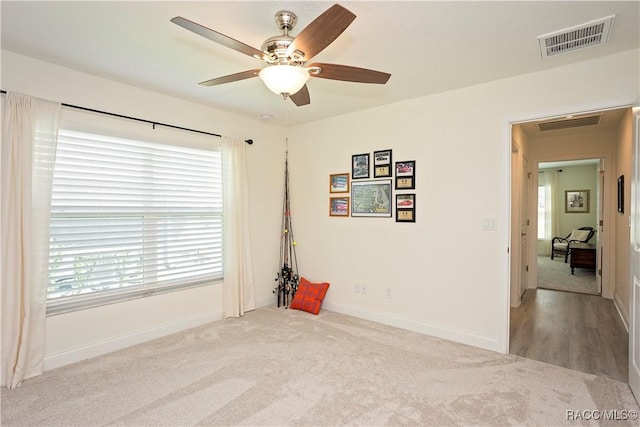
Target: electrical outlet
387,292
363,288
356,288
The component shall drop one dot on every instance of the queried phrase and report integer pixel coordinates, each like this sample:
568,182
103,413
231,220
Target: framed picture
405,208
405,175
360,166
576,201
621,194
371,198
338,206
339,183
382,164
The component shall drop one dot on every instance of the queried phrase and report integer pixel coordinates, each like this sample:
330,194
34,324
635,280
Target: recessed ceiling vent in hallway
592,33
569,123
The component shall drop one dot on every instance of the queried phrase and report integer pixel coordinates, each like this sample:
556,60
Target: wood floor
576,331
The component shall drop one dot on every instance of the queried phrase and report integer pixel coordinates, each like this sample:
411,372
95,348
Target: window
130,218
542,210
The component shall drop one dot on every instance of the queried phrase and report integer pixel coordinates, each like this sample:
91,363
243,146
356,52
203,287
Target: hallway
576,331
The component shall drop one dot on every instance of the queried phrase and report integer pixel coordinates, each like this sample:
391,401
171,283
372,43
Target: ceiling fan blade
301,97
347,73
231,78
218,37
321,32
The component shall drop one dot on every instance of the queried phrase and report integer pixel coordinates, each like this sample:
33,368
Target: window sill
55,308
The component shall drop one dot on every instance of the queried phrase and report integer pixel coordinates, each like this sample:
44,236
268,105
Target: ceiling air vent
569,123
592,33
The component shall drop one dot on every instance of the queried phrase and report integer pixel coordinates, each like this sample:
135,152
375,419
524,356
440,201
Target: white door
600,225
518,247
634,309
524,226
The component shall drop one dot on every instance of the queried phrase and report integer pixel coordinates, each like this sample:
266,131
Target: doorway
593,138
569,199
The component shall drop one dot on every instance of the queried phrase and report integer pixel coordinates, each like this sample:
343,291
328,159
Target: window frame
80,121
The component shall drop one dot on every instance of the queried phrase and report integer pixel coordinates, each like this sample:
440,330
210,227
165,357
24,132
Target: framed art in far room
405,175
382,164
576,201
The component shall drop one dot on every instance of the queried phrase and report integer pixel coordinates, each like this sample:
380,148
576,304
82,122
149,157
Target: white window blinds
542,211
132,217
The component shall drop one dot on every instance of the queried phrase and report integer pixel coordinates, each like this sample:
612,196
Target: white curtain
238,288
550,179
29,136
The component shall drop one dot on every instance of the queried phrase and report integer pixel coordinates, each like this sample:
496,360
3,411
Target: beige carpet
277,367
555,274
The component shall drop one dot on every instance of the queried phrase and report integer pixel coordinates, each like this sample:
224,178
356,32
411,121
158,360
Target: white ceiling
427,46
609,121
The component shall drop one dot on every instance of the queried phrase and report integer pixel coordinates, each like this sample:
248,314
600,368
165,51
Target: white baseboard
438,331
622,311
69,357
265,301
118,343
138,337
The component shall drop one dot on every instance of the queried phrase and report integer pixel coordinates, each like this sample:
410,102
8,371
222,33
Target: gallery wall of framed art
368,191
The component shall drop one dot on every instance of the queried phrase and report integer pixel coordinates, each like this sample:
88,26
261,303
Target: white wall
448,276
78,335
577,178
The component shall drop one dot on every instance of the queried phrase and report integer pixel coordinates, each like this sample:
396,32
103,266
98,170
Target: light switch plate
489,223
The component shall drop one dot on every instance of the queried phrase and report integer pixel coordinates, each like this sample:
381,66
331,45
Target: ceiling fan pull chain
286,127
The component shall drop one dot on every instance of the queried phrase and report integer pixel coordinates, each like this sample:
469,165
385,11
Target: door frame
606,245
600,215
634,262
519,271
601,105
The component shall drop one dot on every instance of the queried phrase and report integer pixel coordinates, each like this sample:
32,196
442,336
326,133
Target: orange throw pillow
309,296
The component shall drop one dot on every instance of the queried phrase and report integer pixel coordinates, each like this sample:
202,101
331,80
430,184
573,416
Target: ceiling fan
287,57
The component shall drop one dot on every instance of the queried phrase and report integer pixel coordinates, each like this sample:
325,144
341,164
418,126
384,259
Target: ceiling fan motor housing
286,20
276,47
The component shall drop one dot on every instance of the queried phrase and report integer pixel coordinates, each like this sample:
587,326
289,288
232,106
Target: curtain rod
248,141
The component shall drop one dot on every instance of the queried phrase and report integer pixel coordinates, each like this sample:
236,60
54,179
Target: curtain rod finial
249,141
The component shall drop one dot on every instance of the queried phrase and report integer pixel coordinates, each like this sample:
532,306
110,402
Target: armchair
562,245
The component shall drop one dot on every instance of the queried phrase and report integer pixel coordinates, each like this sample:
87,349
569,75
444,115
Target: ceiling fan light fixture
284,79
